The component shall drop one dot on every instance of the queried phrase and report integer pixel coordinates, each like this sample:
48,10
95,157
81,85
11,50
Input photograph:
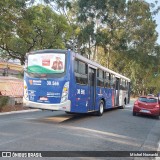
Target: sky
157,18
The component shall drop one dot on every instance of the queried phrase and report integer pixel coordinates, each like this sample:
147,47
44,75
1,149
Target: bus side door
92,88
117,92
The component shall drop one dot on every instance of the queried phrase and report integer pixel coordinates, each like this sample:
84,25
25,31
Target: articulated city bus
64,80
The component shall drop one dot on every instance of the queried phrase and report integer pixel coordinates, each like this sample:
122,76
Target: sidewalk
21,111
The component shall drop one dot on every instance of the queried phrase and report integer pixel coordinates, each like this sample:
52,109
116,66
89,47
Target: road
116,130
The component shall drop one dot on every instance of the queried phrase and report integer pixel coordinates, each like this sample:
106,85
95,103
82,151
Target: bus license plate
43,98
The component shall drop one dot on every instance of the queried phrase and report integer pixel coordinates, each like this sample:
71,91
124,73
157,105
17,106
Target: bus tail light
65,92
25,91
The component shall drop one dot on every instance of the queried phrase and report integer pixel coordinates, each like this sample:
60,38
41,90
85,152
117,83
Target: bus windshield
46,64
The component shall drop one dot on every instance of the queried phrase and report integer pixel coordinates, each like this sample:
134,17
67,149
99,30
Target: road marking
104,135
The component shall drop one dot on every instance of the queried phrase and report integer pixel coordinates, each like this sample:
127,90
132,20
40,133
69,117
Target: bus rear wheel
101,108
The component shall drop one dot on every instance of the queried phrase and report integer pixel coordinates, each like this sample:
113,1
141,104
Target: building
8,68
10,83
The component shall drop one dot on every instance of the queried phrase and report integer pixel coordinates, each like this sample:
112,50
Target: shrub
3,101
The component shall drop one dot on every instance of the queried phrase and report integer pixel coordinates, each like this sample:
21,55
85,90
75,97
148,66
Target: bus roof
48,51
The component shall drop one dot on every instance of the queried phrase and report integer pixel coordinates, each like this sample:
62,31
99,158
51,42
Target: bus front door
92,89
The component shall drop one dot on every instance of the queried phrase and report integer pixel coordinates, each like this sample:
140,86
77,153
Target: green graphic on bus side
40,69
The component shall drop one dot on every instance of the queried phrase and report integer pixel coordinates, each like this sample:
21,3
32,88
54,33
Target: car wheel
134,114
101,108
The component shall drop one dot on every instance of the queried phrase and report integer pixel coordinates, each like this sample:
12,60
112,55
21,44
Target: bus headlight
65,92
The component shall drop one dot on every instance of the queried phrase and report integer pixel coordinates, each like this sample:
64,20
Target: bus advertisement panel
46,63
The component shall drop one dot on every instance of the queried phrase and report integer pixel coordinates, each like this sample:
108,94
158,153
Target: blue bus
64,80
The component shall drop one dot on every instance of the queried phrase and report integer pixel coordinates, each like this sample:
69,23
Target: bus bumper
66,106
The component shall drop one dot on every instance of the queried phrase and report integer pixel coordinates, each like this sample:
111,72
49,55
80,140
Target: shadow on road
70,117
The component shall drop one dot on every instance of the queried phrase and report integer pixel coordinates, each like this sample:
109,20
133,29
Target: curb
22,111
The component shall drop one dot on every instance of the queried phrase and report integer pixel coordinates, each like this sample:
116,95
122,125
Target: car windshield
148,100
151,100
143,99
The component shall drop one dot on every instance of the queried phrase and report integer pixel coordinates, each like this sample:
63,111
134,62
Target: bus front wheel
101,108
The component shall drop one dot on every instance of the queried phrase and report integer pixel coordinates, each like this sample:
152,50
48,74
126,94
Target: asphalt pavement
116,130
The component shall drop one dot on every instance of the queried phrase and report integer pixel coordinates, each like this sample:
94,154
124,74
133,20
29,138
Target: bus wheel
122,107
101,108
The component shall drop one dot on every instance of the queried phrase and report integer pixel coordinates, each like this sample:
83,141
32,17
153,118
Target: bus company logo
30,82
37,82
6,154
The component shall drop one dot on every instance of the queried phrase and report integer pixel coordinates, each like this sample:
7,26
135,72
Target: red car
147,105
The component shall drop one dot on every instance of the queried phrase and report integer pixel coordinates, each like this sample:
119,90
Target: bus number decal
54,83
81,91
49,83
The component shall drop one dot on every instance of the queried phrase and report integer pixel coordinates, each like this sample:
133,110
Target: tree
126,32
105,19
37,27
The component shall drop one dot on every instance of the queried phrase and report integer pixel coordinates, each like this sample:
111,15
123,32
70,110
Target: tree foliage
119,34
37,27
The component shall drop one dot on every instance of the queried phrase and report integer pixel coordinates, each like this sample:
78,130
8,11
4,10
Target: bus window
80,69
113,81
75,66
81,79
107,80
100,79
124,84
121,84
